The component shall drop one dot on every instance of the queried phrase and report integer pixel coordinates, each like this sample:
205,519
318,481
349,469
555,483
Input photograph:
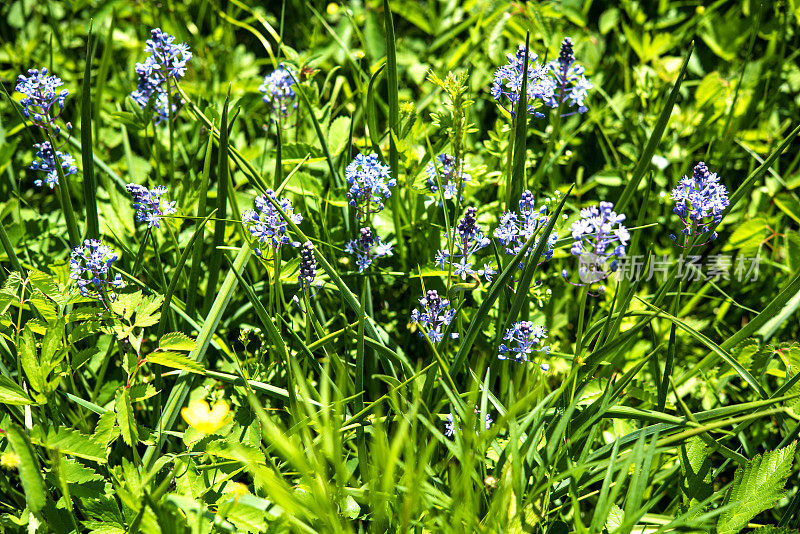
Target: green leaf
176,341
11,393
104,431
176,360
696,471
757,486
30,473
71,442
30,361
793,250
125,419
148,310
89,180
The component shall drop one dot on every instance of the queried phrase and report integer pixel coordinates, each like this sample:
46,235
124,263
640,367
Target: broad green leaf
30,473
11,393
30,361
176,360
757,486
71,442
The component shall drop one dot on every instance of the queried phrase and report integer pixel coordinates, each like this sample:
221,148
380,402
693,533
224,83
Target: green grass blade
176,275
215,262
199,228
652,143
515,188
89,181
394,119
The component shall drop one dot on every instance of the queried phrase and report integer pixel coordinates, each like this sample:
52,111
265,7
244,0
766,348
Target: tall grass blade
89,181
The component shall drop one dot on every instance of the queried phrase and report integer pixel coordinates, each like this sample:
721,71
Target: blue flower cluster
278,92
523,340
599,236
41,92
46,162
516,229
571,84
554,83
367,248
468,239
266,224
369,182
149,203
700,201
445,173
435,314
166,62
508,82
90,266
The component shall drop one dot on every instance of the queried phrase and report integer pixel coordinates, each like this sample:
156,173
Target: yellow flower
201,417
9,460
237,489
333,8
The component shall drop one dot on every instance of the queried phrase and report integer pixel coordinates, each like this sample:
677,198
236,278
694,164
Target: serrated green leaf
30,361
141,392
11,393
176,360
71,442
176,341
757,486
616,516
77,473
125,418
148,310
104,429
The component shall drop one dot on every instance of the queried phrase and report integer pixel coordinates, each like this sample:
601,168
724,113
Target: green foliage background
659,413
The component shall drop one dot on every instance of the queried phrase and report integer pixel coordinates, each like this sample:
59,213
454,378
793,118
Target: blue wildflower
468,240
367,248
267,225
47,163
445,173
599,239
524,339
369,181
149,204
515,229
508,82
278,92
571,84
165,65
435,314
41,93
700,201
90,266
450,425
